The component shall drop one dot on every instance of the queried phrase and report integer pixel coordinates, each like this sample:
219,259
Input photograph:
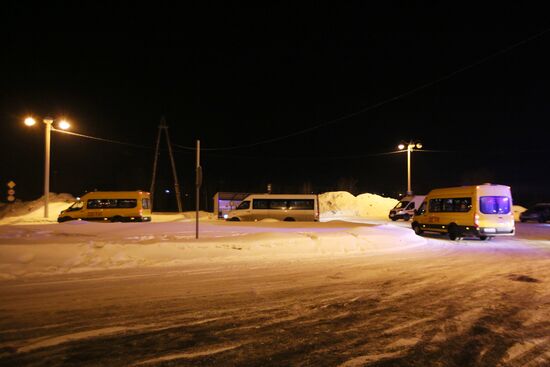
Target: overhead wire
341,118
381,103
100,139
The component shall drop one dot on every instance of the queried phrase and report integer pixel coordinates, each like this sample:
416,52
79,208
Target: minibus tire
416,228
483,238
64,219
116,219
289,219
454,233
234,219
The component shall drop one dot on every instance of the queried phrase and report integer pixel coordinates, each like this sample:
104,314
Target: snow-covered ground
31,245
352,290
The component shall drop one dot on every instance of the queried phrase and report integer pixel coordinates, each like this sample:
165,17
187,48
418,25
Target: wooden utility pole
198,183
164,127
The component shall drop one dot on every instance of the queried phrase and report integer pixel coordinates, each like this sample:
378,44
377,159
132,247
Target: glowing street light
29,121
64,125
410,146
48,121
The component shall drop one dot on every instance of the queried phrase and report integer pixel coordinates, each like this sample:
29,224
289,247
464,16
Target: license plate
490,230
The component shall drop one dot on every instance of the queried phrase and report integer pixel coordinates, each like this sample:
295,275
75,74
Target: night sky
303,98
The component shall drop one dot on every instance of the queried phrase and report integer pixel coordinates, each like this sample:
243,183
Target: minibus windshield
401,204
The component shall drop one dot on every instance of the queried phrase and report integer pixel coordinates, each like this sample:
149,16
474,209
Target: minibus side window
94,204
260,204
301,204
126,203
451,205
277,204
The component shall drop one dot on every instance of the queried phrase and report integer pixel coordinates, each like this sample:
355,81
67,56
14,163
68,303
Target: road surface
454,305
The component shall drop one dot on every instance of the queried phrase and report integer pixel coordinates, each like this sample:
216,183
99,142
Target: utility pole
164,127
198,183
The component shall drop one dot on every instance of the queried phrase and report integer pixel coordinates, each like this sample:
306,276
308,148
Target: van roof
115,193
281,196
465,189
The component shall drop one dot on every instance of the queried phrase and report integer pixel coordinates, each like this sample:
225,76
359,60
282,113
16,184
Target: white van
405,207
483,211
277,206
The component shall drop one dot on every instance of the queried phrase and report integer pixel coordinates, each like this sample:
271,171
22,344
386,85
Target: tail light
141,212
476,220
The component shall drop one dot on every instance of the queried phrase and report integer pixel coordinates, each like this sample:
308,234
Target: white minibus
405,207
284,207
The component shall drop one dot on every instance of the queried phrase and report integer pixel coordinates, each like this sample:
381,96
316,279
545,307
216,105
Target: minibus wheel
454,233
483,238
416,228
64,219
116,219
289,219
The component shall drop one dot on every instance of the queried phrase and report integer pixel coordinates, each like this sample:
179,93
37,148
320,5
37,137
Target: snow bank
79,246
517,210
332,205
32,212
344,204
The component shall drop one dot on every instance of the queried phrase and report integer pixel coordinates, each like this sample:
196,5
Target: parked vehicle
484,211
277,206
540,213
405,207
114,206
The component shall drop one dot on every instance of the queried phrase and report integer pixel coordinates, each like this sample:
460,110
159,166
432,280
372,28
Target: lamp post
48,121
410,146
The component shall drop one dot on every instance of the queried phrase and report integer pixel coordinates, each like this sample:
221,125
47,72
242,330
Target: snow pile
344,204
32,212
517,210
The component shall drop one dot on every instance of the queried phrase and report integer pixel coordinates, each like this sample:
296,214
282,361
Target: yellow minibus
114,206
483,211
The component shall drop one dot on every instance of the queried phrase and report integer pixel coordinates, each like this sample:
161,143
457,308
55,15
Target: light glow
401,146
29,121
64,125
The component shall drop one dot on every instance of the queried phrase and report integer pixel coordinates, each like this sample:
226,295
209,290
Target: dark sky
237,75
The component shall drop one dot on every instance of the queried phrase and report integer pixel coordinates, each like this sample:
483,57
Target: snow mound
517,210
32,212
344,204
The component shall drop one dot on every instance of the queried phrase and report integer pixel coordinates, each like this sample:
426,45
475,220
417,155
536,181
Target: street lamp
410,146
48,121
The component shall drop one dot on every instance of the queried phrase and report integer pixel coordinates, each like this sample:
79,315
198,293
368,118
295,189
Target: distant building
226,201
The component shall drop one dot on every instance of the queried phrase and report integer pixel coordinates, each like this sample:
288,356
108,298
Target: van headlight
225,216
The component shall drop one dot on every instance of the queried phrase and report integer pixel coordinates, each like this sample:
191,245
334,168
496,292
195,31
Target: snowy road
467,303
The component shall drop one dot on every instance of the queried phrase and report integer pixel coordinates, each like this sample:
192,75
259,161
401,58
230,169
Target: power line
101,139
383,102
